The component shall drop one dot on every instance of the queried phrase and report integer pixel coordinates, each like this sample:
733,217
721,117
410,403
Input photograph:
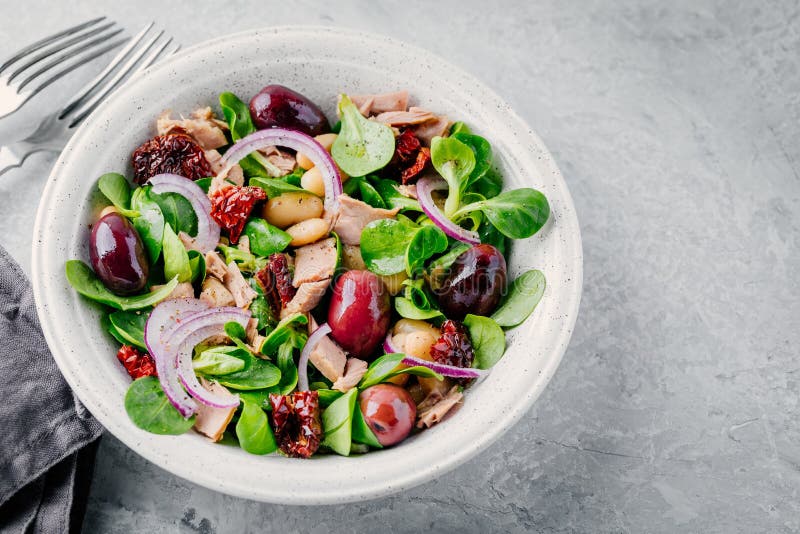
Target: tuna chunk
307,297
374,104
214,159
434,408
211,421
207,114
182,291
189,243
234,282
284,161
405,118
254,339
426,131
235,175
215,266
354,215
365,106
351,258
409,191
201,127
251,330
244,244
215,294
217,339
354,371
314,262
327,357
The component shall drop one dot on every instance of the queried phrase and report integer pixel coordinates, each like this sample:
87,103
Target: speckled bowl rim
329,479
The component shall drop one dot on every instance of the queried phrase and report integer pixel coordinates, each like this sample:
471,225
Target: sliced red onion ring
207,228
296,141
445,370
302,365
388,344
195,329
425,186
162,322
172,330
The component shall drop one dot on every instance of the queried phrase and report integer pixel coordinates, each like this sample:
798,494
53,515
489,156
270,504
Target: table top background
676,405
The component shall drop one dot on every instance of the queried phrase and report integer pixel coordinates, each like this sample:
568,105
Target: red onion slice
207,228
181,343
162,322
388,344
425,186
302,365
296,141
445,370
172,330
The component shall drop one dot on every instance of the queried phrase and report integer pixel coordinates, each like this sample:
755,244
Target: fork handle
10,157
15,154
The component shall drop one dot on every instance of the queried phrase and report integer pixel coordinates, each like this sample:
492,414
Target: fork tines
68,49
143,50
70,46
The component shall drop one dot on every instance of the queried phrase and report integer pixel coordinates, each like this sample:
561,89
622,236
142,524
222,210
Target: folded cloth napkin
47,438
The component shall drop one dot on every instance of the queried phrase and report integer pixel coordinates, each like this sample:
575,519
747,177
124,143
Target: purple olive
389,411
276,106
117,255
474,283
359,312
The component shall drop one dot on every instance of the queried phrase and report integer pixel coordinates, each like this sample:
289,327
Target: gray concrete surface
676,406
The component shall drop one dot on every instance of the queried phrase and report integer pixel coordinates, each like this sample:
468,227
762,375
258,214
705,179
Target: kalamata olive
276,106
389,411
474,283
359,312
117,254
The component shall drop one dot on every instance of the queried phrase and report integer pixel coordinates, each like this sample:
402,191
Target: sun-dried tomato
275,280
453,347
410,157
423,157
295,419
231,206
171,153
406,146
137,363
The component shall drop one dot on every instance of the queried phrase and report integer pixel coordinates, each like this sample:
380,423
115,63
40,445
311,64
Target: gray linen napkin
47,438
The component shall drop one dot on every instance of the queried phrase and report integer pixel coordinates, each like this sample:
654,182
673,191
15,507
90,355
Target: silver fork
69,49
55,130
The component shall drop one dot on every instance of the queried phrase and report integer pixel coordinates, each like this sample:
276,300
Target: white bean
106,211
312,181
418,344
308,231
326,140
292,208
351,258
415,343
412,325
394,282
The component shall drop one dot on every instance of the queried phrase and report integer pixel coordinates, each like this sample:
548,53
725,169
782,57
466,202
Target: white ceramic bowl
318,62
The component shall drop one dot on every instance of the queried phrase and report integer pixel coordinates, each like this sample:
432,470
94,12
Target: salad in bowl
288,283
